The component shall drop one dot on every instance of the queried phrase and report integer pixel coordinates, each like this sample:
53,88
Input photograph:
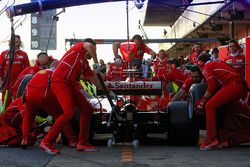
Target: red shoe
24,142
87,148
48,148
209,144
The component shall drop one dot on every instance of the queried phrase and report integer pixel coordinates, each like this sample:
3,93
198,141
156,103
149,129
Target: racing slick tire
195,93
23,84
181,129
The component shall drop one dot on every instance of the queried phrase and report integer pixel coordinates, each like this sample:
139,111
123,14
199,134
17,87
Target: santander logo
132,85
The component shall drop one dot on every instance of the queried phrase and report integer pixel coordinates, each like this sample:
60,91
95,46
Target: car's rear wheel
182,130
195,93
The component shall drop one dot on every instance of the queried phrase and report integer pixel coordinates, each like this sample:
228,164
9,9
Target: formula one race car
130,123
124,120
137,108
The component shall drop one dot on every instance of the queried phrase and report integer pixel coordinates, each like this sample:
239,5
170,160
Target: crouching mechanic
38,95
71,68
195,77
43,62
229,85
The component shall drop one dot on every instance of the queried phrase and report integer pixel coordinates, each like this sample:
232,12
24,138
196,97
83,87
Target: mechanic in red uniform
174,75
161,62
115,71
11,123
38,95
13,119
43,62
6,133
235,57
195,53
21,61
195,77
72,67
229,85
141,49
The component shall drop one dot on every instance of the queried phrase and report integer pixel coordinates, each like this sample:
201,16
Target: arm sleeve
187,84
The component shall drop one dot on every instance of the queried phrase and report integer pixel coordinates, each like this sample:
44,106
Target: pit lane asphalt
154,152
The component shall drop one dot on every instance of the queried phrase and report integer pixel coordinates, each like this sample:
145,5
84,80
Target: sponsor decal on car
133,85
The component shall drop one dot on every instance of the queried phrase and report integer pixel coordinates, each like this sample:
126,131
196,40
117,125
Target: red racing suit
30,70
229,85
175,76
193,57
160,66
11,120
186,86
237,62
21,61
138,56
72,66
115,72
38,95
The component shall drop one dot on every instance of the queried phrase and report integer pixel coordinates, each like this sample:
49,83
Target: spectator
146,68
102,67
215,54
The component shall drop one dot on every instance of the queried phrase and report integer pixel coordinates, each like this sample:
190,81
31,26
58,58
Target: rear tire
181,129
195,93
